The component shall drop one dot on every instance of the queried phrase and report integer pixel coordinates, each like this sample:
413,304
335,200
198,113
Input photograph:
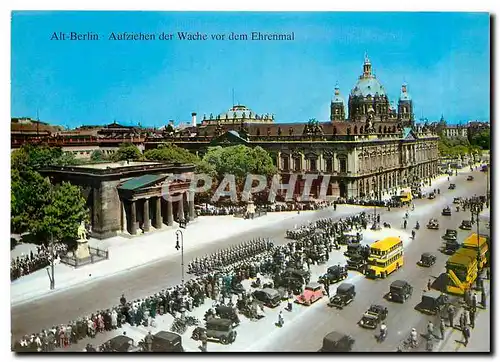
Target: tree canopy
482,139
37,207
127,151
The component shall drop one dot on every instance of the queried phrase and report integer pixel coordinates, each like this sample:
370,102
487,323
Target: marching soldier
149,342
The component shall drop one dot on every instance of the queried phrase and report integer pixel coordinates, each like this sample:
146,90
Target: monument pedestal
82,251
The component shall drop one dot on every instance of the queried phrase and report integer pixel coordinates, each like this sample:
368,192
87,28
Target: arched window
355,129
379,129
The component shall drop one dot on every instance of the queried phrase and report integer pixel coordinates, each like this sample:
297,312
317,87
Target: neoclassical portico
153,201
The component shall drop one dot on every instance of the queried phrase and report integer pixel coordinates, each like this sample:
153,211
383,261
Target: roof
368,87
140,182
432,294
121,343
472,241
399,283
426,255
219,321
169,336
345,287
463,256
335,336
241,112
386,244
313,285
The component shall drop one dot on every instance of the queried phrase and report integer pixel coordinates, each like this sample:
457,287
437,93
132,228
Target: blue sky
444,58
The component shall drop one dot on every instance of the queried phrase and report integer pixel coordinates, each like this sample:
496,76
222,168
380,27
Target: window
329,165
285,163
312,164
296,164
343,165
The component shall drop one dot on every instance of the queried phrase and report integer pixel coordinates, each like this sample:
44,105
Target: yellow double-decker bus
386,256
478,244
461,269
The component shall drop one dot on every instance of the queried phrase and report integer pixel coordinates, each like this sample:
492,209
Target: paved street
305,332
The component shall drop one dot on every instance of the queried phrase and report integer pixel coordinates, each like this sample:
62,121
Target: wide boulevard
306,332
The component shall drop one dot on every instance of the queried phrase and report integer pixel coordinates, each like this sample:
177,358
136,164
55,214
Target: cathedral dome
368,84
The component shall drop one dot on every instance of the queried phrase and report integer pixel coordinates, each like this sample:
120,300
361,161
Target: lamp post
180,245
487,187
475,209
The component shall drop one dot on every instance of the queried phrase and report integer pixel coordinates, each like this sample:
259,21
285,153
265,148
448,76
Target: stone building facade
130,198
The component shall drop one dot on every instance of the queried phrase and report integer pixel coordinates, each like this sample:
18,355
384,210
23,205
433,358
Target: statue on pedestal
82,251
250,209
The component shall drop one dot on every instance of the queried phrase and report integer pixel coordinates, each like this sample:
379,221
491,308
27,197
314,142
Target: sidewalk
126,254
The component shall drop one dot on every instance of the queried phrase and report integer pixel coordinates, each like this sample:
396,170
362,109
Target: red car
312,293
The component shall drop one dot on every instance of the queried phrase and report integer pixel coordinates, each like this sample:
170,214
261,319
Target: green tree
482,139
62,215
97,156
171,153
127,151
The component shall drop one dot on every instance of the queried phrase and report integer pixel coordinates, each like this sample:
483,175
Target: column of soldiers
226,257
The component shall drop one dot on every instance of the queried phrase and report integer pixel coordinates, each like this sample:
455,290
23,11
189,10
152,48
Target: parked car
221,330
373,316
399,291
345,294
226,312
433,302
452,187
446,211
466,225
470,178
122,343
427,260
164,341
337,342
269,297
312,293
334,274
450,234
433,224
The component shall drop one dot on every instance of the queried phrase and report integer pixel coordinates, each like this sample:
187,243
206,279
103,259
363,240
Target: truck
462,271
478,243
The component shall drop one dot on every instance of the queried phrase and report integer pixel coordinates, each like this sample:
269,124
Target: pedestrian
429,345
327,289
149,342
404,224
281,321
488,273
290,301
483,299
451,315
429,285
430,329
442,327
472,317
466,334
204,341
474,301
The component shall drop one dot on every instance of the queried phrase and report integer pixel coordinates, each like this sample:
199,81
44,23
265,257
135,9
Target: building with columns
375,150
131,198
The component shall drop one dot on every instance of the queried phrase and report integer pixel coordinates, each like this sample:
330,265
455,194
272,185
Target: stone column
180,209
192,213
170,213
133,219
147,221
157,217
124,216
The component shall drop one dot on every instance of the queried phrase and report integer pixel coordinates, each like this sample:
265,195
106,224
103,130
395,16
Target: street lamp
475,209
487,187
52,257
180,238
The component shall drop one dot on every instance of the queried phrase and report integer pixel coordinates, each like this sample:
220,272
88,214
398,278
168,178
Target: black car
334,274
466,225
450,234
433,302
164,341
427,260
269,297
457,200
470,178
226,312
337,342
451,247
356,262
399,291
446,211
452,187
345,294
373,316
121,343
431,196
433,224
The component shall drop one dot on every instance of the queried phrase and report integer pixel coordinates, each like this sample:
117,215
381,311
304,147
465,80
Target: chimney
193,119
